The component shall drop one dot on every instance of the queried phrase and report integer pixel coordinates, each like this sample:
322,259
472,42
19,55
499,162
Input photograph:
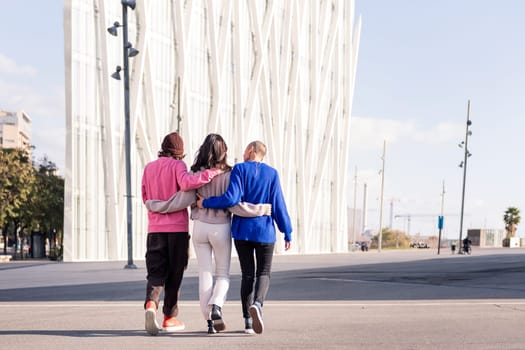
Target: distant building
15,130
486,238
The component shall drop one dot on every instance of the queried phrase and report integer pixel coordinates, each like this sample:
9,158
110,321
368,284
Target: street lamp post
463,164
441,218
380,237
363,223
128,51
355,203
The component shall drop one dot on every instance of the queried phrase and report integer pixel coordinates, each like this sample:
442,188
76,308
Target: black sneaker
256,313
216,316
211,329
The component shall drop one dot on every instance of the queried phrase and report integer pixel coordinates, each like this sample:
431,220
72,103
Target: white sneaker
248,329
256,313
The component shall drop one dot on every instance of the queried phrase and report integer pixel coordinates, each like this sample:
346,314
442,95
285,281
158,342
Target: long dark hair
211,154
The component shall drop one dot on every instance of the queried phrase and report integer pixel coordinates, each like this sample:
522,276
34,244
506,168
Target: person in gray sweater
211,228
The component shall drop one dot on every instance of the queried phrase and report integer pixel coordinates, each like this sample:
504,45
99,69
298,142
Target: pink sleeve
188,181
144,187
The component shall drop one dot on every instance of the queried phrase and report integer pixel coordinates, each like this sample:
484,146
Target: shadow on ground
104,333
468,277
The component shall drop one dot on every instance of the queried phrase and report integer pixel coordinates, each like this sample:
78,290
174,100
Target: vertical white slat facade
281,71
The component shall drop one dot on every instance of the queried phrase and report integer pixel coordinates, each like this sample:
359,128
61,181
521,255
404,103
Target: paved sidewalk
392,300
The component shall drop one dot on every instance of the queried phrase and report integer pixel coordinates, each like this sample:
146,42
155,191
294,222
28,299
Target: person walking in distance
168,239
211,229
255,182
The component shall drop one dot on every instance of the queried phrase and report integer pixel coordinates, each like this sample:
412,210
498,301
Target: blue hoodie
257,183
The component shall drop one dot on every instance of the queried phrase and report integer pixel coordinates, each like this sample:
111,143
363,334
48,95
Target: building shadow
462,277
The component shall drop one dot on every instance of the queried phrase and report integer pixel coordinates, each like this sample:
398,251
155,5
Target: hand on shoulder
200,200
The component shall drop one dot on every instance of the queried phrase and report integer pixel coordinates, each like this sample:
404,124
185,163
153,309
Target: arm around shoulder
188,181
250,210
180,200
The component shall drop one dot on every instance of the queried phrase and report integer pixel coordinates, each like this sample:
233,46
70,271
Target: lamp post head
113,29
133,52
116,74
129,3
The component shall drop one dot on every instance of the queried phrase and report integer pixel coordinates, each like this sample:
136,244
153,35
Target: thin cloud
443,132
46,109
9,67
23,97
367,133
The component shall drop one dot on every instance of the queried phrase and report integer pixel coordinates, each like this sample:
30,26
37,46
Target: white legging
212,241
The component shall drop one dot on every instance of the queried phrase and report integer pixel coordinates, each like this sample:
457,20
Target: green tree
48,198
512,218
392,239
16,184
47,203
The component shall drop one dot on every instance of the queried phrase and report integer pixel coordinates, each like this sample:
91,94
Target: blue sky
32,70
419,64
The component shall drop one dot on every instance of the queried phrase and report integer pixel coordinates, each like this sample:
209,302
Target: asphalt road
412,299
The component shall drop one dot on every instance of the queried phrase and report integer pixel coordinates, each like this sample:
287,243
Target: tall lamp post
463,164
363,223
355,203
128,51
380,237
441,218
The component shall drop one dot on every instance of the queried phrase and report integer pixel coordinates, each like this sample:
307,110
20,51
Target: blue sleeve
280,212
231,197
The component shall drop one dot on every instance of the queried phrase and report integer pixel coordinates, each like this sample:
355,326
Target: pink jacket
161,179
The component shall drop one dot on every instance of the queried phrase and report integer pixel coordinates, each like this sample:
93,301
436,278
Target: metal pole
179,118
441,219
466,155
390,224
363,224
130,264
355,204
380,239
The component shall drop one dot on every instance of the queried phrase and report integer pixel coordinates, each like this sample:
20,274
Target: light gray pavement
410,299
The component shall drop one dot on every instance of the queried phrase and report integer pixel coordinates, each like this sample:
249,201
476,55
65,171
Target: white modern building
278,71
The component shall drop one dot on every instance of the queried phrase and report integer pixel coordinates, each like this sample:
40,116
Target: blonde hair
258,147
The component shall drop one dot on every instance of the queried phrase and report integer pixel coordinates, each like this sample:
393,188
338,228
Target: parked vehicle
419,245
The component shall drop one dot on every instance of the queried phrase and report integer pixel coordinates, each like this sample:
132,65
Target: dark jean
255,259
166,259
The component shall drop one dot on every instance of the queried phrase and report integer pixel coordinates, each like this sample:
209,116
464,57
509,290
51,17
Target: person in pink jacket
168,238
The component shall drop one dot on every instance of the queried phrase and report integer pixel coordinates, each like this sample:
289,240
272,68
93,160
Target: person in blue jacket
254,238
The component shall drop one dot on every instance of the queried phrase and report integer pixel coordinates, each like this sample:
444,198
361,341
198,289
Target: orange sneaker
150,305
171,324
151,325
